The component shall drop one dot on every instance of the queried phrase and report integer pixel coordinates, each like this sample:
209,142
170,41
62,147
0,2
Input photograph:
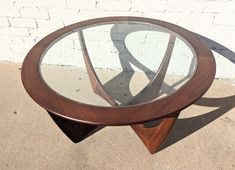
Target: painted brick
8,4
40,33
115,5
9,12
23,22
163,16
58,4
219,34
23,3
7,55
9,41
29,41
149,6
220,7
84,14
225,19
21,32
5,41
81,4
125,13
66,14
35,13
223,70
49,24
229,41
4,22
185,6
194,20
21,49
15,55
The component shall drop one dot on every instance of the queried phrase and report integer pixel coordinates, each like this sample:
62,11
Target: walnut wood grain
94,80
134,114
153,137
75,131
152,90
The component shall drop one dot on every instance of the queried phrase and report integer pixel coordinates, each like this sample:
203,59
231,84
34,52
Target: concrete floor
203,137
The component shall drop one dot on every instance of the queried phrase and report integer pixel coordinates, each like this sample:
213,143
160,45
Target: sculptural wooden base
152,137
75,131
144,106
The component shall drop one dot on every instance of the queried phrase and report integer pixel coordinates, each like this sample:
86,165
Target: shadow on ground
187,126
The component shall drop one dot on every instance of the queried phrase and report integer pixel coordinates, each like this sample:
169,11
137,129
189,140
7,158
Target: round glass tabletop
118,63
118,70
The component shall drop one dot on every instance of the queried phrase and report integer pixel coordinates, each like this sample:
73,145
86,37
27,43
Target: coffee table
115,71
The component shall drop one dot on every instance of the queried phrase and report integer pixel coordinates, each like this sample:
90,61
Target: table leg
74,130
153,137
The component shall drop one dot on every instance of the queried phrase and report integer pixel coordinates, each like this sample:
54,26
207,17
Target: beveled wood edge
100,115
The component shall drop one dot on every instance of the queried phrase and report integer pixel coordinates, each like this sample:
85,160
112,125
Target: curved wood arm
95,82
153,88
151,91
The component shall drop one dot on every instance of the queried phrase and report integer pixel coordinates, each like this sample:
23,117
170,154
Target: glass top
118,63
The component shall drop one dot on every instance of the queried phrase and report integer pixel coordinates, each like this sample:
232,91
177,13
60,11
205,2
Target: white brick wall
15,32
24,22
4,22
9,12
34,13
114,5
81,4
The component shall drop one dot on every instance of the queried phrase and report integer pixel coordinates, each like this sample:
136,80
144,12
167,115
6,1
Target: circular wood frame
125,115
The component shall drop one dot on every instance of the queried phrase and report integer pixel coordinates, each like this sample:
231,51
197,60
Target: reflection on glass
135,63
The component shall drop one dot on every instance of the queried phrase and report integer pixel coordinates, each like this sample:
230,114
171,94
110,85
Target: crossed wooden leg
153,137
75,131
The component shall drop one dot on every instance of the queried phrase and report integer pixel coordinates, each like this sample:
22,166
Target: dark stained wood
153,137
75,131
134,114
95,82
152,90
